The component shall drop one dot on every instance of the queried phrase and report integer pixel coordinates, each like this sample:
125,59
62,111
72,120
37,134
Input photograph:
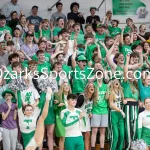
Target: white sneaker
19,146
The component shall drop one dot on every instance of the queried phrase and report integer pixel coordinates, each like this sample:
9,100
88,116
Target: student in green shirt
79,36
126,43
101,32
22,56
100,112
44,29
89,46
59,57
3,27
80,73
114,29
129,28
57,29
89,29
42,66
42,46
136,37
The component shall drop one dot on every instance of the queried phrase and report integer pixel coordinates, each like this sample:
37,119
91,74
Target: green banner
128,7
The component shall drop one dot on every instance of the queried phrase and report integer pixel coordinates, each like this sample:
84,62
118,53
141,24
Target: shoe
19,146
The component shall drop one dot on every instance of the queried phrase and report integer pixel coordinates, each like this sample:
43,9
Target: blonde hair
61,90
94,95
119,89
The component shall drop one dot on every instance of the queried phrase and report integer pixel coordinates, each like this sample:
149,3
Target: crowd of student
62,81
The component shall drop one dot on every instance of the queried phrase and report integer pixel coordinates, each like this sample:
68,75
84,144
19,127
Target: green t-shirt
127,30
47,57
137,42
128,92
101,106
89,52
5,28
66,68
114,30
79,79
80,38
56,31
24,64
46,65
99,37
119,73
6,76
125,49
45,33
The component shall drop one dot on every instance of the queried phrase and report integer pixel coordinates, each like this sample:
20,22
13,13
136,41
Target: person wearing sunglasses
29,47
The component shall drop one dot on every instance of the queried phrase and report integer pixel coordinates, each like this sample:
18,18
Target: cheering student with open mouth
27,122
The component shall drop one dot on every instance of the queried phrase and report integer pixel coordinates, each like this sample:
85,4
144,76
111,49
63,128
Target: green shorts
74,143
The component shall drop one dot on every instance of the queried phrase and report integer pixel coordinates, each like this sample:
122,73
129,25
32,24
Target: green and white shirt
28,124
143,121
71,122
29,95
118,100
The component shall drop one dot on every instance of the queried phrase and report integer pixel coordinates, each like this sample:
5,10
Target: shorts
99,120
33,143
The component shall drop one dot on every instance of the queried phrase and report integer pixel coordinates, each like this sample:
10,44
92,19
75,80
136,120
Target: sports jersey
118,100
144,126
101,106
71,122
29,95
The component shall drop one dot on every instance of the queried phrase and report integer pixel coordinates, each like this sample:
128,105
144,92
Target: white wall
44,4
84,7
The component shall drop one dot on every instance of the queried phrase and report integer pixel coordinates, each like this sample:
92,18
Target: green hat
8,91
93,8
81,58
101,25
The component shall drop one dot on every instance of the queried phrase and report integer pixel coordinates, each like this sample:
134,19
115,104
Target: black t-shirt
92,20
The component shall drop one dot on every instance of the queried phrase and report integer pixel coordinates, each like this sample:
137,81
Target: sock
92,148
101,148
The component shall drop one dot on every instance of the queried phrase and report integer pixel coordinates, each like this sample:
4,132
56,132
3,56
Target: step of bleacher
107,147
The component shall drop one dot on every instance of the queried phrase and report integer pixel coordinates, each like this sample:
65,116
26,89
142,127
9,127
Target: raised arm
54,56
141,38
73,59
138,65
109,60
104,46
99,53
26,55
126,68
46,106
121,38
131,38
66,47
